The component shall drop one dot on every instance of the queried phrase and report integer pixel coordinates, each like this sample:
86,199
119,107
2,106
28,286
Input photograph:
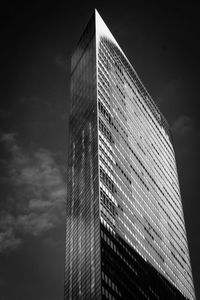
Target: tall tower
125,230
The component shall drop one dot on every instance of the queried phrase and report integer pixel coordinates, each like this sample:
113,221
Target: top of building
102,31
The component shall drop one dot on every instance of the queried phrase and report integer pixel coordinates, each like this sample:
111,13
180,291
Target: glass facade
82,259
125,231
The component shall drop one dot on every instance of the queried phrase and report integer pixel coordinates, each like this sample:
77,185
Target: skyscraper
125,230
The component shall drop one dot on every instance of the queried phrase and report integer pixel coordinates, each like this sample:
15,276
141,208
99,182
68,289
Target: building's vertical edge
96,53
82,255
187,245
181,204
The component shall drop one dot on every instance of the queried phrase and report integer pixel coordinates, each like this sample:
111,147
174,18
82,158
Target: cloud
183,125
35,200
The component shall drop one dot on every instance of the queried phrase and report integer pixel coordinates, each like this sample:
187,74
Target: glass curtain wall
82,258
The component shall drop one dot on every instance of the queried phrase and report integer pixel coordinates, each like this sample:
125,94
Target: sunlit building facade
125,230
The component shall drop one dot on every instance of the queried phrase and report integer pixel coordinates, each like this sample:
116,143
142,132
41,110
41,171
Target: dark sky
162,43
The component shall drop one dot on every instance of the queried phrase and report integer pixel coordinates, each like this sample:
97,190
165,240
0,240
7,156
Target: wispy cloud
183,125
35,202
